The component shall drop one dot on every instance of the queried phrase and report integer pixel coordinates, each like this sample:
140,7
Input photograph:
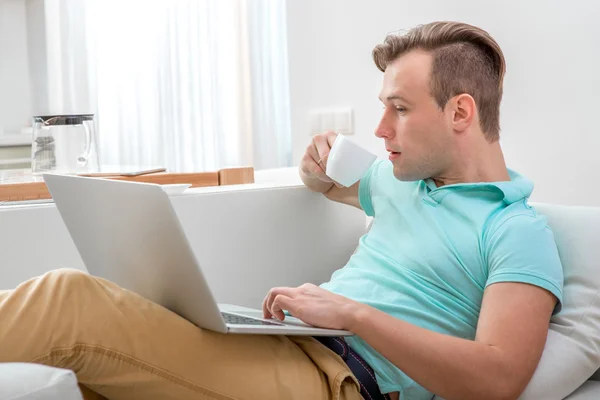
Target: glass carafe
64,144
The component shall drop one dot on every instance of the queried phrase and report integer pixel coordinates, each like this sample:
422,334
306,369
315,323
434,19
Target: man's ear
464,111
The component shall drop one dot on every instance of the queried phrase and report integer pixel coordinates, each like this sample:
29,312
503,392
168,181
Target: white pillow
588,391
572,352
23,381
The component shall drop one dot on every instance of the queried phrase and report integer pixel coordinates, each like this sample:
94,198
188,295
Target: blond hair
466,59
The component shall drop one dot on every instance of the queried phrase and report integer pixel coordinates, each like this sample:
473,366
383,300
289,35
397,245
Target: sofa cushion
572,352
588,391
22,381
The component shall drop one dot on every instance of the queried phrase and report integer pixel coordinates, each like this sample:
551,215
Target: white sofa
288,236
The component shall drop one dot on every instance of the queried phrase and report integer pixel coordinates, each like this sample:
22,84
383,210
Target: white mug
348,162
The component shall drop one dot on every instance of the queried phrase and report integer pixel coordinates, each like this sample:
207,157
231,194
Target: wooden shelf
21,185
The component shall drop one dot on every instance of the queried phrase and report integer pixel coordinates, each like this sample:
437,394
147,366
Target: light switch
343,121
339,120
327,121
315,122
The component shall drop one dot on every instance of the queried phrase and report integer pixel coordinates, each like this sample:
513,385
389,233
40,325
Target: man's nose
385,129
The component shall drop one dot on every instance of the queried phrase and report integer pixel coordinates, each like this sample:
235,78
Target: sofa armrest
24,381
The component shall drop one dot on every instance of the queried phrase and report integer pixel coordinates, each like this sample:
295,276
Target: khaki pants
122,346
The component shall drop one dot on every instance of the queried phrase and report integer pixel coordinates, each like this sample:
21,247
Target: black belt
359,367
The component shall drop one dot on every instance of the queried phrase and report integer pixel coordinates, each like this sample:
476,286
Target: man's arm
346,195
312,171
498,364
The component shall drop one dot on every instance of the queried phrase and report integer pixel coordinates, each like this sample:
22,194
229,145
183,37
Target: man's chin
406,175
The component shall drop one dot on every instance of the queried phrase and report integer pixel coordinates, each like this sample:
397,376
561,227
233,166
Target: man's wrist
315,184
356,316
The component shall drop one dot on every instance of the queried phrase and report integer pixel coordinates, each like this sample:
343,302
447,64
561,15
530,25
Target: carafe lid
64,119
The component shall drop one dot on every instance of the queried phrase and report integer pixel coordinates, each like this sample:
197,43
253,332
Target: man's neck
481,163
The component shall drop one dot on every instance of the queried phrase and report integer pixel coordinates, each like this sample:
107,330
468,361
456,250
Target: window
190,85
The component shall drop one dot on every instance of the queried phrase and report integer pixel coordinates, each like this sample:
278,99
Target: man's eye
400,109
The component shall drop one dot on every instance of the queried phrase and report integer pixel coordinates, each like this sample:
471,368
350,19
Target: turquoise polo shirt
431,252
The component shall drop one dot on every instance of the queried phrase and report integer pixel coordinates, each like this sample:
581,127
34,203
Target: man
450,292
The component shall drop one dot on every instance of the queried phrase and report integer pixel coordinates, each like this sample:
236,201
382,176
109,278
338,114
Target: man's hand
311,304
314,162
312,171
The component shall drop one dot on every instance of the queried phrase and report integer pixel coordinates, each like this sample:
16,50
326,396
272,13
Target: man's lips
394,154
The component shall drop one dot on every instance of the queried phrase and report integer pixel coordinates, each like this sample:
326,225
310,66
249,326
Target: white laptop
129,233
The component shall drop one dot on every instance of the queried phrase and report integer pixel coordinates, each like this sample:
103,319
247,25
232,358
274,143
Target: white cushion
22,381
572,352
588,391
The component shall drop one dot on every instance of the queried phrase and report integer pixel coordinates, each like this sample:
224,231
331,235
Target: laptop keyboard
239,320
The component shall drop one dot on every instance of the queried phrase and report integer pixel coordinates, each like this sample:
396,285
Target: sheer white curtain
187,84
267,34
61,63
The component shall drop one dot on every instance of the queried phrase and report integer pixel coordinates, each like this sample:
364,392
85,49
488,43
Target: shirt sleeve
365,189
522,249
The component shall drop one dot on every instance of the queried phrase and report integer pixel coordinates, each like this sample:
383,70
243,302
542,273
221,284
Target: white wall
549,113
15,96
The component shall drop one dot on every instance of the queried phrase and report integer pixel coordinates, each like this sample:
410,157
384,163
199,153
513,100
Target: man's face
417,133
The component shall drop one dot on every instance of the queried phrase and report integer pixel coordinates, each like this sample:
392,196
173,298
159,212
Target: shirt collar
516,189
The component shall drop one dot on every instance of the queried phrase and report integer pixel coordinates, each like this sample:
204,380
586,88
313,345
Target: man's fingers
281,303
318,160
318,168
268,311
267,304
322,145
265,308
311,166
331,136
314,161
287,291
